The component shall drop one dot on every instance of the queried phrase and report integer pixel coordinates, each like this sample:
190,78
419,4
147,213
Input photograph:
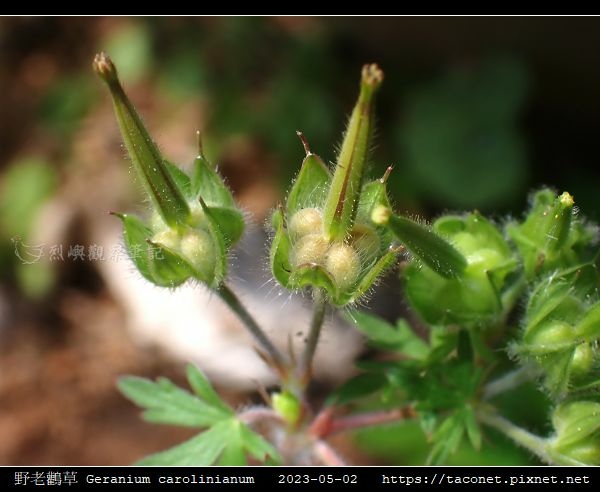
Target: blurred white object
194,325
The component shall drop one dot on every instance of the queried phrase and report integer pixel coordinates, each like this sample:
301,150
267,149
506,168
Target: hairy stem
537,445
304,369
508,381
229,298
253,415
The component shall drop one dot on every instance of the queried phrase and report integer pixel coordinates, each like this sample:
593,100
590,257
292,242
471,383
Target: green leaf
226,444
357,387
257,447
446,439
233,455
202,387
473,430
557,367
432,249
382,334
136,235
310,186
201,450
165,403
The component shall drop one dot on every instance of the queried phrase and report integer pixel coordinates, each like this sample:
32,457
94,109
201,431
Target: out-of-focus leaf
225,442
461,139
357,387
166,403
130,48
399,338
26,185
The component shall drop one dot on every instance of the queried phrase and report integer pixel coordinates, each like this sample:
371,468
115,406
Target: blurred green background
474,113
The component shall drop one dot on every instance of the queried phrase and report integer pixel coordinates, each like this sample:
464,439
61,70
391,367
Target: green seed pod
344,195
583,360
194,220
147,161
324,237
552,236
460,269
561,329
577,440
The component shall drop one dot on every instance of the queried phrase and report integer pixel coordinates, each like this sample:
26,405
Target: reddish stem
326,425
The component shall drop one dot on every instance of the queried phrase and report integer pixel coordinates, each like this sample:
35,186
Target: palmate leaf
448,436
226,440
166,403
225,443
